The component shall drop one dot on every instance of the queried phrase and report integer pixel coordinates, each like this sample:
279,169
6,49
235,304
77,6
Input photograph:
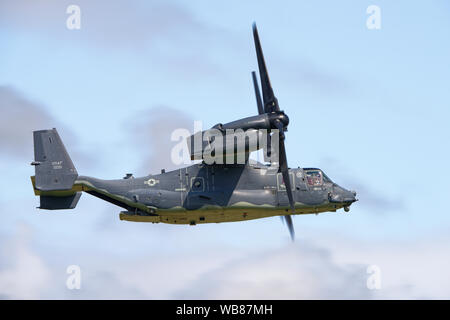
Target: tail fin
53,167
55,173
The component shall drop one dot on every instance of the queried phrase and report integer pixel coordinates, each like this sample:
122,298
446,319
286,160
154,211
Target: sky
370,107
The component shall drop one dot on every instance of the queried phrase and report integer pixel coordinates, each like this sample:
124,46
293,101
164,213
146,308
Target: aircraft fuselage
217,193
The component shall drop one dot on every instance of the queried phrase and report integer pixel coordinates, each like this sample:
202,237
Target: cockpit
315,177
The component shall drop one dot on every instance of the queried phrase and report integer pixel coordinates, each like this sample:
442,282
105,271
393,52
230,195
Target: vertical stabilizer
54,169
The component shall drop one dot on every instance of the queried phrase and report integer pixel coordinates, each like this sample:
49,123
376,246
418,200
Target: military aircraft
203,192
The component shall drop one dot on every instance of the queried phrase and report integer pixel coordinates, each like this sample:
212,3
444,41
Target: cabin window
197,184
314,178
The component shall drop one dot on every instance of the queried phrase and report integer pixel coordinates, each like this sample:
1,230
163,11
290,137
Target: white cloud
23,274
155,127
298,271
414,269
331,268
19,118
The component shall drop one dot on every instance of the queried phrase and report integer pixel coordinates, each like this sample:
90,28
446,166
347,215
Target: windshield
325,178
314,177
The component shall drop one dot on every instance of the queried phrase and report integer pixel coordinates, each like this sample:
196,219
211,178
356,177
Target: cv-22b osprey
203,192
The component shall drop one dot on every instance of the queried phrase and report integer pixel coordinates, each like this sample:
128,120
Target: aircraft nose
350,196
341,195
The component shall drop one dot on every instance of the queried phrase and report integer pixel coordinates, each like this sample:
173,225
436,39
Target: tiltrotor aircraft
201,193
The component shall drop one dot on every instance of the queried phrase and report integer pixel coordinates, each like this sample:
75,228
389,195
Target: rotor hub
278,119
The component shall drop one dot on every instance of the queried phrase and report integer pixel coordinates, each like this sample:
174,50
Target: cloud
163,31
332,268
380,202
153,31
375,201
305,75
102,284
110,23
156,29
20,117
293,271
23,273
298,271
410,269
154,129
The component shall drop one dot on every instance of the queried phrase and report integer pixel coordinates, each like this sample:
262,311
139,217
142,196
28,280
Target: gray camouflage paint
201,193
212,193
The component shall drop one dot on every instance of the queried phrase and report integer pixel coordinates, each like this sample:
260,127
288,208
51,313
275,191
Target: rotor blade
290,226
283,166
267,150
270,101
257,94
285,172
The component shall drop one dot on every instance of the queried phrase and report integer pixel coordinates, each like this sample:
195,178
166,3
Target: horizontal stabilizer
55,203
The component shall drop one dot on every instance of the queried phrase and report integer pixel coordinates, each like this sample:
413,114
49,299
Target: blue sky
369,107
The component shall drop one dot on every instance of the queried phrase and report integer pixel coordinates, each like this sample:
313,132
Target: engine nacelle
223,146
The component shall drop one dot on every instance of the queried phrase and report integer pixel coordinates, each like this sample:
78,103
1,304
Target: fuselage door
182,184
281,188
300,180
317,193
280,182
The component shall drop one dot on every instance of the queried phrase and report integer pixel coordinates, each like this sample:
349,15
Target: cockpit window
314,177
325,178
